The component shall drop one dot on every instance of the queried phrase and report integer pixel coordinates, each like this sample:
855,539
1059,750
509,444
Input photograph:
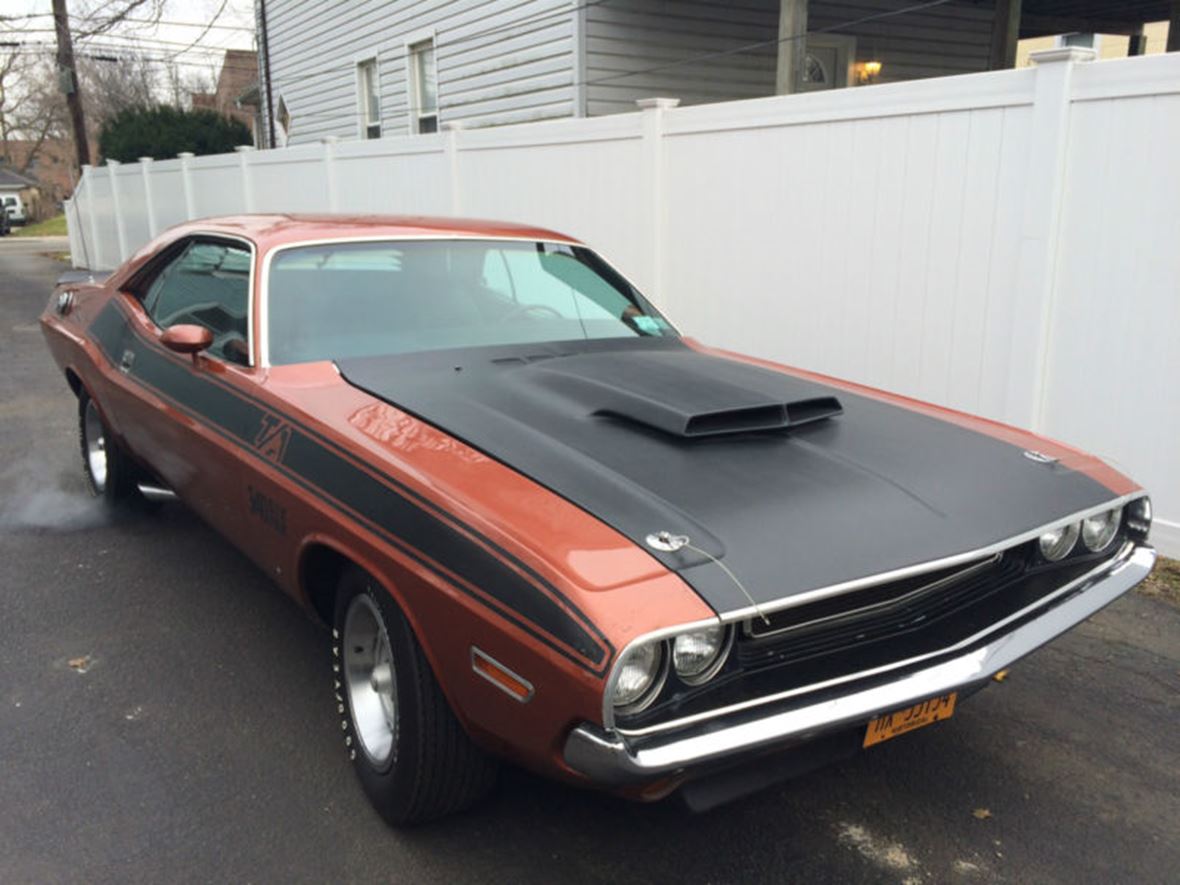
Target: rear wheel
109,473
412,756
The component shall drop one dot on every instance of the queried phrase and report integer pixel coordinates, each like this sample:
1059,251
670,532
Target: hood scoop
744,419
687,405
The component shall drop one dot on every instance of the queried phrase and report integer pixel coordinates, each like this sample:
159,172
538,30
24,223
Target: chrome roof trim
841,588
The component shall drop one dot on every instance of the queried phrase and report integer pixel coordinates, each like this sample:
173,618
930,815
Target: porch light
868,71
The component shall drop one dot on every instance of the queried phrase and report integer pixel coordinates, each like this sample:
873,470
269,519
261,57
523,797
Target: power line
201,35
141,21
45,49
115,41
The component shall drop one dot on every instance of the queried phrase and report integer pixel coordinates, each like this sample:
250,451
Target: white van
14,208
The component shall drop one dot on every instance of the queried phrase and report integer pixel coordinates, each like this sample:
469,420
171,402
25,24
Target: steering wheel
522,309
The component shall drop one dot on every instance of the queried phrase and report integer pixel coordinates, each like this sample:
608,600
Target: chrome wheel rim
96,446
369,676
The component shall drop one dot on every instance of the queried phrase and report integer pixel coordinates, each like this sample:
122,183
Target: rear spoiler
83,277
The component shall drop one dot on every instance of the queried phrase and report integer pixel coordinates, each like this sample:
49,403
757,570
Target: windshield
364,299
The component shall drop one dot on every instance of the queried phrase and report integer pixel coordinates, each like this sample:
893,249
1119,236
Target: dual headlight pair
1096,532
695,656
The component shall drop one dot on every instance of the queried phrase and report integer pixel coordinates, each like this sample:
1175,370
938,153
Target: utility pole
68,75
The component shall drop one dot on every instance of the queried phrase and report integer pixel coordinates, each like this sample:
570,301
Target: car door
179,416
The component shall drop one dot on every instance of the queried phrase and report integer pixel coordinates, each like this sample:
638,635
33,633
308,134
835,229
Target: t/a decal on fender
272,438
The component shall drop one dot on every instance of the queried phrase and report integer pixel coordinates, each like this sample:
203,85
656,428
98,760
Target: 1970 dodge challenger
544,527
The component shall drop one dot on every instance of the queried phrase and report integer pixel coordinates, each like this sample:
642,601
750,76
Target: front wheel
412,756
109,472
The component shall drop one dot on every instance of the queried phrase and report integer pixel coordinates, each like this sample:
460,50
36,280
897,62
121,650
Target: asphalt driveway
166,715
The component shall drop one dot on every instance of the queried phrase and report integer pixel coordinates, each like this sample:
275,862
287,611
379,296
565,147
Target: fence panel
1114,355
392,176
133,205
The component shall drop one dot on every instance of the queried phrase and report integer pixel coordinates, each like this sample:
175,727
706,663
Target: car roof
269,231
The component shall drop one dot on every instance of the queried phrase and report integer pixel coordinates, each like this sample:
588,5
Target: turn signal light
500,676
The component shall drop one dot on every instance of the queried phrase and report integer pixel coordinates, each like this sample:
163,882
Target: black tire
117,486
432,768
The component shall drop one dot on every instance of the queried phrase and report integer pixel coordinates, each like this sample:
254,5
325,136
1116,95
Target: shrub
162,132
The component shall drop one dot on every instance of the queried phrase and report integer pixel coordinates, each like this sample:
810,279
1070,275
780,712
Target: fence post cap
186,155
1062,53
147,159
647,104
329,139
111,162
244,148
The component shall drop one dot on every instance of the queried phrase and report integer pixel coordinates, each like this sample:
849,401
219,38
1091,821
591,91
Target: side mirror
186,338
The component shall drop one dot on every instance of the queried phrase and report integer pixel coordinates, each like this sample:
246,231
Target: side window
206,285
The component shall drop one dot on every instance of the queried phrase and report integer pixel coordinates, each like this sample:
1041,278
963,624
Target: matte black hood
794,484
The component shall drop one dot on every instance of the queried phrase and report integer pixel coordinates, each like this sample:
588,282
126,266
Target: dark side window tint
206,285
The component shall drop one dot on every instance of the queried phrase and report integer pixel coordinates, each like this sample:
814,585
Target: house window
423,87
369,98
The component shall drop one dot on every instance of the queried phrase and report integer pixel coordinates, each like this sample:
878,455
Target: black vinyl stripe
319,467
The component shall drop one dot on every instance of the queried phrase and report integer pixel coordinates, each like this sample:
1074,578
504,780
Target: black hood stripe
873,488
451,550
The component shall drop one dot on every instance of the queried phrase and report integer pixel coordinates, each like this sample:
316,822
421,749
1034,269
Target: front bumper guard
613,759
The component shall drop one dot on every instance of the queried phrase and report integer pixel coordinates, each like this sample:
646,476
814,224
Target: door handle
127,361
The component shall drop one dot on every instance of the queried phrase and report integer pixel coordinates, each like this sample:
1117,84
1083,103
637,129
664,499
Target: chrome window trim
608,719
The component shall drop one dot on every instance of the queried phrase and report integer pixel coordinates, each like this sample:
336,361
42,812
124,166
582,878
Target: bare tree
113,86
32,109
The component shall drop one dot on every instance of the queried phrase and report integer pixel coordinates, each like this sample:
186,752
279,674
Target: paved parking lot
165,716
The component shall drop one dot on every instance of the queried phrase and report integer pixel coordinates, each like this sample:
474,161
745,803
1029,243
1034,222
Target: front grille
875,629
934,604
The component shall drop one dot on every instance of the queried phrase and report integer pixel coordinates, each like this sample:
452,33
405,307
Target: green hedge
162,132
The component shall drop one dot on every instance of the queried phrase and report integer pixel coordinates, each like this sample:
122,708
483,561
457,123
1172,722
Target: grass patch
1164,581
50,227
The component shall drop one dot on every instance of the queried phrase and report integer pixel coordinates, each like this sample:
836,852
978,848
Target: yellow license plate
892,724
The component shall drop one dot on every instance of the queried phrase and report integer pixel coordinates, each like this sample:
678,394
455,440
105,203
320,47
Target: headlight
1139,516
638,675
1056,544
1099,530
696,656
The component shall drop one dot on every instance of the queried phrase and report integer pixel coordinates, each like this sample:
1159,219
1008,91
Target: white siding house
495,62
367,68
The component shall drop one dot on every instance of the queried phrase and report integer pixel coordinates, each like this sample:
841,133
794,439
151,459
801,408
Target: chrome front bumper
615,759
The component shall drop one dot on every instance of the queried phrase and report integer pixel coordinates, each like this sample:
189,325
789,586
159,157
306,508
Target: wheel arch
322,560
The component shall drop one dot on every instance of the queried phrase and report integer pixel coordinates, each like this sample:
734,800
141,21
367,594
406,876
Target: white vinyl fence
1005,243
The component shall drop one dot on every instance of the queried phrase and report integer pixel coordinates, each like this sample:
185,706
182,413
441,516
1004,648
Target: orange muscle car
544,527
